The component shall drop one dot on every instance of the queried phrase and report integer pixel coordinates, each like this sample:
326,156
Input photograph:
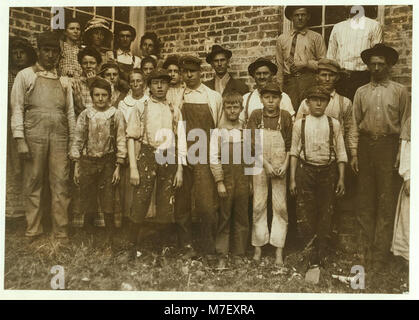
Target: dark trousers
378,187
348,84
315,198
295,87
183,209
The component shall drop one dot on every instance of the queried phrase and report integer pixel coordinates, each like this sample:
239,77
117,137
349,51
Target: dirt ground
91,265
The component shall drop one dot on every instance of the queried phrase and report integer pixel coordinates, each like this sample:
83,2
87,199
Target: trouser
233,221
296,86
260,231
378,187
315,198
348,84
183,209
47,151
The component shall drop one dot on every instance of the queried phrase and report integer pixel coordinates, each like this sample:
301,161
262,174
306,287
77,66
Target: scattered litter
134,273
281,270
127,287
259,276
200,273
343,279
313,275
139,254
185,270
86,279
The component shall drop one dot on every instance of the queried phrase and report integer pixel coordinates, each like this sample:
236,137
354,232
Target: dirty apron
198,115
274,152
46,133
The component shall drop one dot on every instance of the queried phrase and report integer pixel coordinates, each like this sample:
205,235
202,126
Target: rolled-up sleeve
71,117
350,132
296,139
341,155
356,120
181,138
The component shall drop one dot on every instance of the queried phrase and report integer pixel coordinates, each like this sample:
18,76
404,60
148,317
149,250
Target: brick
185,23
217,19
233,38
42,20
214,33
194,14
192,29
161,19
159,26
223,25
240,23
208,13
172,24
171,11
252,14
226,38
204,20
242,8
270,11
250,29
198,35
231,31
22,16
268,27
223,11
204,28
185,9
176,17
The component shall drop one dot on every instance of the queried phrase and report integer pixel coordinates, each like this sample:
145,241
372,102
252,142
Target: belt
105,157
322,166
375,137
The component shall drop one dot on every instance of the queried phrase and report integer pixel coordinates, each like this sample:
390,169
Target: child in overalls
276,126
99,149
232,183
319,148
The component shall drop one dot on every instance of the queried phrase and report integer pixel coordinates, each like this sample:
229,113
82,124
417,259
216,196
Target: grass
89,266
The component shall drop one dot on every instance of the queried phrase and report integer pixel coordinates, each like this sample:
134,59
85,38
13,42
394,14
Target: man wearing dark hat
262,70
21,55
202,111
380,109
124,36
297,54
176,85
219,59
43,125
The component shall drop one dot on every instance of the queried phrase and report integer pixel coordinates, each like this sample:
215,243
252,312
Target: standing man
347,40
297,53
380,109
176,85
219,59
43,124
201,110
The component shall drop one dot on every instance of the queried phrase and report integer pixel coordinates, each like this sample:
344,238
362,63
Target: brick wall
248,31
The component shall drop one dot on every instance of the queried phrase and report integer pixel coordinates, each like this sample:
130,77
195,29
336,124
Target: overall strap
145,113
331,135
303,136
112,132
246,108
86,134
341,109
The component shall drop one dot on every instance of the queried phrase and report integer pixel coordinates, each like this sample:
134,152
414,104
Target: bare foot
279,260
257,254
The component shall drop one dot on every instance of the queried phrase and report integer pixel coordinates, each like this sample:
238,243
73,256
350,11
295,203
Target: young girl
70,47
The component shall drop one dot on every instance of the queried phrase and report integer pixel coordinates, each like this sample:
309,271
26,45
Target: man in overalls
201,110
43,124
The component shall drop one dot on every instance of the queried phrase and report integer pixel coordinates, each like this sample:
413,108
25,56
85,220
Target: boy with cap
297,53
43,124
98,151
176,85
317,153
380,109
276,126
219,59
149,144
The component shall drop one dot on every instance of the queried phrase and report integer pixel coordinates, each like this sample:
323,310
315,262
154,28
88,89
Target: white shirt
126,58
128,103
349,38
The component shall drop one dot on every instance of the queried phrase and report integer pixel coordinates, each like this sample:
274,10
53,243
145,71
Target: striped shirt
349,38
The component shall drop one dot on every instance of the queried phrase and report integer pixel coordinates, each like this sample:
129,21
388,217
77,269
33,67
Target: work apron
274,152
46,133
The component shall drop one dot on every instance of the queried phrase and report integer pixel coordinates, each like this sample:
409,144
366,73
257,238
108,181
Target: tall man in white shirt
347,40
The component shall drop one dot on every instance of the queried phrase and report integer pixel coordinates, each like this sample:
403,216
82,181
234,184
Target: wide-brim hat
126,27
18,42
380,49
97,23
262,62
289,10
190,63
216,49
272,87
158,74
172,59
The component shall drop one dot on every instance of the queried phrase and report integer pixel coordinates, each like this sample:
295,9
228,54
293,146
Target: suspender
246,108
112,132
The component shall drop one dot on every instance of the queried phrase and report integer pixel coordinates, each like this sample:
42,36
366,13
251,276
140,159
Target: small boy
276,126
232,183
99,149
317,151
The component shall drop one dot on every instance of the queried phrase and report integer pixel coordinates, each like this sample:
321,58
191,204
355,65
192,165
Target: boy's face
192,78
19,58
100,98
232,110
158,88
148,68
136,82
174,73
147,47
89,64
112,75
327,78
317,105
271,101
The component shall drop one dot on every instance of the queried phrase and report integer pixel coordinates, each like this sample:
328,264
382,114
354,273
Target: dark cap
125,27
289,10
108,65
317,91
216,49
190,63
158,74
328,64
272,87
17,42
380,49
262,62
173,59
48,39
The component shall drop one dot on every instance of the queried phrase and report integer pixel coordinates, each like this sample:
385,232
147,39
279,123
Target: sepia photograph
252,148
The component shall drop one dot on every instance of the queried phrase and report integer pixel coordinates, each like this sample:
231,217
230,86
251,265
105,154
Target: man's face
136,83
48,57
317,105
327,79
124,39
112,75
378,67
192,78
300,18
19,58
158,88
148,68
148,47
232,110
73,31
271,101
98,36
262,76
100,98
174,73
220,64
89,64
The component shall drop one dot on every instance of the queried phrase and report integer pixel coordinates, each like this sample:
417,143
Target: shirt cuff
17,134
120,160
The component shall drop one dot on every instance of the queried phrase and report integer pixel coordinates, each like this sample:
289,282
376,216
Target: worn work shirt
349,38
221,83
69,64
99,139
82,99
126,58
309,48
23,86
317,141
342,112
381,108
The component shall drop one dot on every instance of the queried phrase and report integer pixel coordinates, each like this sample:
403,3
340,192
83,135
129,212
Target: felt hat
289,10
126,27
18,42
380,49
190,63
97,23
262,62
172,59
48,38
272,87
216,49
328,64
317,91
158,74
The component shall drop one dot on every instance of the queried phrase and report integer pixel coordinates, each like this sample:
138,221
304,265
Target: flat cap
172,59
158,74
328,64
190,63
272,87
317,91
48,39
262,62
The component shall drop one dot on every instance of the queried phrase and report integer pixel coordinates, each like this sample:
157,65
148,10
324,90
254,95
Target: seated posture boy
149,142
99,149
318,156
232,183
275,138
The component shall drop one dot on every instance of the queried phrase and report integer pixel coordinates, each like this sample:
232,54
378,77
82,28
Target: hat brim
289,10
108,35
212,54
391,55
127,28
163,77
257,64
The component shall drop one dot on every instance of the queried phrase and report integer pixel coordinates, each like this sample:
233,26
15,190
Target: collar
276,114
158,101
200,89
226,77
333,93
91,112
119,52
129,100
303,32
39,70
383,83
